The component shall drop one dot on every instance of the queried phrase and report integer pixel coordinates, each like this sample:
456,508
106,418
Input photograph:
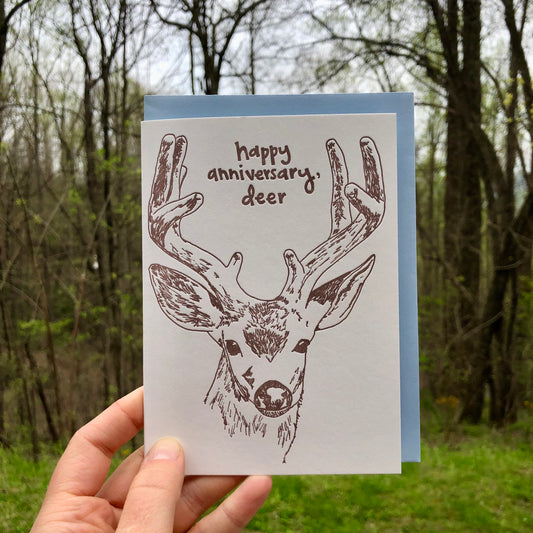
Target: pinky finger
232,515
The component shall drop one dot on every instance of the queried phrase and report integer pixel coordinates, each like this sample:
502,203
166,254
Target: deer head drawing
259,382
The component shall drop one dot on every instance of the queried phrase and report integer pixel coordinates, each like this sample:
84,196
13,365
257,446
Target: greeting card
271,292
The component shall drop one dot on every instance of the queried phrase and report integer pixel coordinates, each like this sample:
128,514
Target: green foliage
75,201
112,164
128,210
37,328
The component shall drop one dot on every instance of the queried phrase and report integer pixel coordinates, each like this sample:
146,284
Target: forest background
72,79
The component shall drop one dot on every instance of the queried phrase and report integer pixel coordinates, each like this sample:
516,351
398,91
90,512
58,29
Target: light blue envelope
168,107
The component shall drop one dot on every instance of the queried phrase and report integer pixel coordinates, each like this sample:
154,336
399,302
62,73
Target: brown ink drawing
259,382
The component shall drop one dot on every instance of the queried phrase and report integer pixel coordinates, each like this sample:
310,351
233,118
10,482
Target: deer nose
273,399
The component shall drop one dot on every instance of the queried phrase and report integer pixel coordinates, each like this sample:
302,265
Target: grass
22,487
479,484
470,480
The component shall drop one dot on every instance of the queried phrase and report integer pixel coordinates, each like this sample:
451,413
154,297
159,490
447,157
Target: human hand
144,494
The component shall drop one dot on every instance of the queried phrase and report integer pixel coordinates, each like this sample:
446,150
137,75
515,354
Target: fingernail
167,449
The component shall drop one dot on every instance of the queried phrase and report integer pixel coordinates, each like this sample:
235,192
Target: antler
166,209
347,231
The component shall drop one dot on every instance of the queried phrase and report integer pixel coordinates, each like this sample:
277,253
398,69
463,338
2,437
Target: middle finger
117,485
199,493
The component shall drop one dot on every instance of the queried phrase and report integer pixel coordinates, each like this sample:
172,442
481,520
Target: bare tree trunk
212,29
98,207
3,372
112,298
462,204
5,20
54,434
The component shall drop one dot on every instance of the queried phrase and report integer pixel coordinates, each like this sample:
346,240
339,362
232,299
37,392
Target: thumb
155,490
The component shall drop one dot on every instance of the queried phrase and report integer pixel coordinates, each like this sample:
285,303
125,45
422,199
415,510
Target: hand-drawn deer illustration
259,383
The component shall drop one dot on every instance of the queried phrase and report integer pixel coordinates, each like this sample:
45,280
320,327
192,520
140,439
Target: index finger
85,463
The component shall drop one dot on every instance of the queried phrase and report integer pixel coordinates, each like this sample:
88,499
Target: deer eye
233,348
301,346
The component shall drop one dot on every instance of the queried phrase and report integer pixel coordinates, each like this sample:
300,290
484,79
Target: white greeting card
270,264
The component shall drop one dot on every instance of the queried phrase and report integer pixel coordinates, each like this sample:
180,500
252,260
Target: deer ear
339,295
186,302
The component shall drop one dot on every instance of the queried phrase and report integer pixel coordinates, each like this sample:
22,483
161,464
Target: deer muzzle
273,399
